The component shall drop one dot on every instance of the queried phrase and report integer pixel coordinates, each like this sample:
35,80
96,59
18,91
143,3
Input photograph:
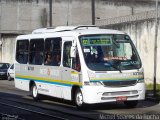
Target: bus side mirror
73,52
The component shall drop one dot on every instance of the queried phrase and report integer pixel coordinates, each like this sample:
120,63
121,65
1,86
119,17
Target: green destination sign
96,40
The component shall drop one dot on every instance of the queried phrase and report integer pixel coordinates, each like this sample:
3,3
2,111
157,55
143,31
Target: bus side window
36,51
22,51
38,58
76,63
52,51
66,54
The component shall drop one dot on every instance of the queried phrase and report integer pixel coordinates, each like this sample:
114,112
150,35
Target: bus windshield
109,52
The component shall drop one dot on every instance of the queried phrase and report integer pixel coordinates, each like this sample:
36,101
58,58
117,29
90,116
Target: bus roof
68,31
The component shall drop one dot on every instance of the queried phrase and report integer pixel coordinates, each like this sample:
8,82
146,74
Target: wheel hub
35,91
79,99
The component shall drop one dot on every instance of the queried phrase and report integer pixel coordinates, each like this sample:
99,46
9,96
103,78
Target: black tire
34,92
131,104
9,77
78,99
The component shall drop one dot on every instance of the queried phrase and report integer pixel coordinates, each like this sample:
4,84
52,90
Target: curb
150,96
153,99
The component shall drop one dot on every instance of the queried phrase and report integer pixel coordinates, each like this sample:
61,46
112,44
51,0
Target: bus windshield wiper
115,43
118,68
115,67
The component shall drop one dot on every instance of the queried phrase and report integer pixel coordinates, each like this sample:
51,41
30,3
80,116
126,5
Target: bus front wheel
79,98
34,92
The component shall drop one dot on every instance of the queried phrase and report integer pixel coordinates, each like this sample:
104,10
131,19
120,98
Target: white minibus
84,64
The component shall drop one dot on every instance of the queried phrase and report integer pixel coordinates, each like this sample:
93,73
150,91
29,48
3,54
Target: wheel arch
74,88
31,83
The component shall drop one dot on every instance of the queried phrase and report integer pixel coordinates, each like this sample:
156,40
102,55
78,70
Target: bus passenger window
36,51
50,60
37,59
76,63
52,51
66,54
22,51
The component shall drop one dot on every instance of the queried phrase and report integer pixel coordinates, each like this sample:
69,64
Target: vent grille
120,83
120,93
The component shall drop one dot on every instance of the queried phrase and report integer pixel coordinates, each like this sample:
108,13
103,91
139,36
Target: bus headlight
87,83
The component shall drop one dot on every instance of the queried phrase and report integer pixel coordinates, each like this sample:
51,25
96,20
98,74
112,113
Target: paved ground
144,110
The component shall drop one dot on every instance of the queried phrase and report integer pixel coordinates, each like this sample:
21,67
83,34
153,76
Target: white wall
23,15
8,49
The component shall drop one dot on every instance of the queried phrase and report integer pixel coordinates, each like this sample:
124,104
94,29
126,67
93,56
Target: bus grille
120,93
120,83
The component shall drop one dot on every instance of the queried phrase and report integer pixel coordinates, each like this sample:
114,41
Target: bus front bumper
101,94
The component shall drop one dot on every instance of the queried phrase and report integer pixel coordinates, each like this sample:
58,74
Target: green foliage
150,87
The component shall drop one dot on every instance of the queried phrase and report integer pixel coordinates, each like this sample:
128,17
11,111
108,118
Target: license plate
121,98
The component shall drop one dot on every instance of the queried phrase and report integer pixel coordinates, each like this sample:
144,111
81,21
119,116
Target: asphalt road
145,110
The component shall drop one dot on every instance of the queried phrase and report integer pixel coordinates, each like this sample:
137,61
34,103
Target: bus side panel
66,88
72,78
48,80
49,89
67,92
22,84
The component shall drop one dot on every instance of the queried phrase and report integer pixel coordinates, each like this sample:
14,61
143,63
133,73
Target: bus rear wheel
34,92
131,104
78,99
